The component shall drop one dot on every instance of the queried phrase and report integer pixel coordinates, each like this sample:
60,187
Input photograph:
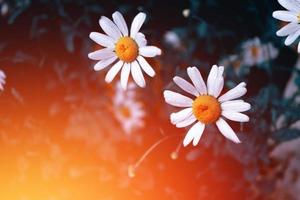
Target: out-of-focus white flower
126,51
171,38
2,80
121,94
186,12
4,8
206,106
232,60
128,111
291,87
255,53
291,15
288,185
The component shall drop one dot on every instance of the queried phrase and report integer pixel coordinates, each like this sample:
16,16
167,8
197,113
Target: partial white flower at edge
256,53
2,80
292,16
4,8
126,51
206,106
288,157
128,111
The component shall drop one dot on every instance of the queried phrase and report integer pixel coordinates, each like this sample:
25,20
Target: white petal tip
278,34
143,14
276,14
107,80
142,85
185,143
238,141
287,43
165,93
116,12
90,55
159,51
92,34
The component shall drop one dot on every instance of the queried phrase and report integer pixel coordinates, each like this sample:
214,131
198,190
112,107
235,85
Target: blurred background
65,134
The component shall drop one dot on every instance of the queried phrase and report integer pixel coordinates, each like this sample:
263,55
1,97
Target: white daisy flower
291,15
206,106
126,51
128,111
255,53
2,80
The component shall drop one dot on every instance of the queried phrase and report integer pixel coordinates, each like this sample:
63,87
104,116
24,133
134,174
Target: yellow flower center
125,112
206,109
126,49
298,16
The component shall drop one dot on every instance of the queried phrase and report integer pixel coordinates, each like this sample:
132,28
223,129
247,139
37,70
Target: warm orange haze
152,100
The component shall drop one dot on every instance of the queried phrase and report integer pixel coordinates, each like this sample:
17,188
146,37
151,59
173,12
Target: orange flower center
236,64
254,51
206,109
125,112
126,49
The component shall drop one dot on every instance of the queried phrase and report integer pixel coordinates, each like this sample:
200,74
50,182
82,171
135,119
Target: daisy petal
101,54
137,24
110,28
197,79
215,81
145,66
104,63
149,51
194,133
102,39
111,74
137,74
186,86
291,5
198,136
285,16
227,131
177,99
181,115
141,39
236,106
120,22
186,122
125,75
234,93
298,48
219,83
235,116
291,38
288,29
